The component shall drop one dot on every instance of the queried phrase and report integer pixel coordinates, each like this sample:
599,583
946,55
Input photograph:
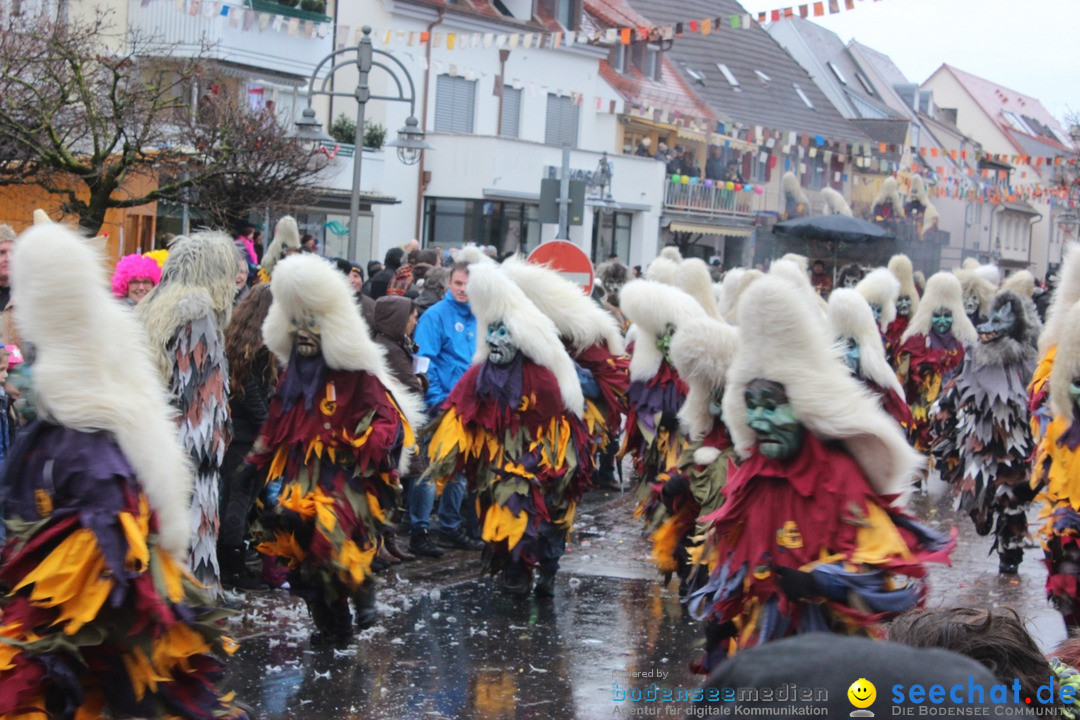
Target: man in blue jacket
446,336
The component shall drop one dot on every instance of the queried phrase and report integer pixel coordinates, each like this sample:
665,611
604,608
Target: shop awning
700,229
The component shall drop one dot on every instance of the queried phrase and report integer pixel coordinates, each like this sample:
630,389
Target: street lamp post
410,140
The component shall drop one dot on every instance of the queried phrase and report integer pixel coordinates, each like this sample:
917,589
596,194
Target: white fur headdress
835,204
94,369
850,316
702,350
942,290
891,192
791,186
286,236
691,275
789,347
471,254
493,296
308,286
1020,282
880,287
790,271
1066,294
734,285
663,269
1066,364
976,281
197,279
900,267
578,318
652,306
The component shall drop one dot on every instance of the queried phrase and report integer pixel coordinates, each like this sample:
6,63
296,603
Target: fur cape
1066,365
198,279
891,192
701,352
790,184
801,260
652,306
306,286
835,204
1020,282
900,267
731,289
94,370
286,236
972,281
1066,295
790,347
942,290
790,271
880,287
578,318
493,296
850,316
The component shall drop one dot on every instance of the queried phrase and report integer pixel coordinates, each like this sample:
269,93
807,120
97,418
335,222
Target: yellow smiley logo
862,693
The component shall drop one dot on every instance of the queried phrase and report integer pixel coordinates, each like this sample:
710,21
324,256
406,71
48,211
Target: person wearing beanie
381,280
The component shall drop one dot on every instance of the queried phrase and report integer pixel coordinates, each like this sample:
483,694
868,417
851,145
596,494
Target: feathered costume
591,336
907,304
853,326
810,541
334,436
927,358
185,317
513,425
98,615
656,392
701,352
1057,470
985,445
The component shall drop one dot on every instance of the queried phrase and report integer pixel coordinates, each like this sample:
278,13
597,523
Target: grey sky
1030,46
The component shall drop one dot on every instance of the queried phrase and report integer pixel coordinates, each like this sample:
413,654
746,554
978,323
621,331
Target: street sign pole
564,196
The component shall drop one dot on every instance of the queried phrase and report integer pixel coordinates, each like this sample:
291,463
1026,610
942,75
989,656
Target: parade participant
931,349
1066,294
731,289
592,337
907,304
978,290
808,538
887,208
1057,472
984,445
1022,283
99,616
513,424
134,277
821,280
701,352
653,438
796,204
185,318
335,435
613,275
854,327
286,242
881,290
850,275
919,209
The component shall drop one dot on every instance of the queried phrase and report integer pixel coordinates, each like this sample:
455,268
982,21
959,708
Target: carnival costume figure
855,329
907,304
985,445
931,350
514,426
185,317
334,437
881,290
286,242
808,538
978,284
701,352
99,616
1058,316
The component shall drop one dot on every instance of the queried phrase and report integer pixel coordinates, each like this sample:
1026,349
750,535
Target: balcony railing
714,200
235,32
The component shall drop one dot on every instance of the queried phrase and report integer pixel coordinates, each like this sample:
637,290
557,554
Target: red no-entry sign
568,259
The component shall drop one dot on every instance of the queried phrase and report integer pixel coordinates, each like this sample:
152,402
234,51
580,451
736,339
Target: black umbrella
833,228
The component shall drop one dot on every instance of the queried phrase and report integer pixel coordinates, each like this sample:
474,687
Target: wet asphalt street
449,646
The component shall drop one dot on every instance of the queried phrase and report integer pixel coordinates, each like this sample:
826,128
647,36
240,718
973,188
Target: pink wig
130,267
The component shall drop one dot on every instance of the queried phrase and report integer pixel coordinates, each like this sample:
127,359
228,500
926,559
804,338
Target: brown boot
396,550
386,557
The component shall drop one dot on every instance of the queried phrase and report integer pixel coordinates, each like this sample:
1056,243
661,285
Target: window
611,235
617,58
836,71
562,121
698,76
455,99
510,122
565,13
815,172
509,226
652,63
865,83
803,97
759,169
726,72
763,77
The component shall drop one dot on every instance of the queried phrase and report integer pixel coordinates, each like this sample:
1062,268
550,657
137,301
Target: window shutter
510,122
562,121
455,99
